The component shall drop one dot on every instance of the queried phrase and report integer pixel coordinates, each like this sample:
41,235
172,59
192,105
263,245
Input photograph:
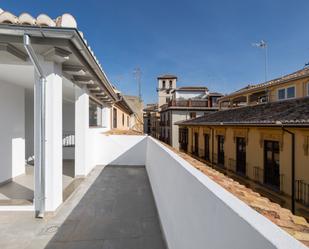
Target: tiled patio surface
112,209
20,190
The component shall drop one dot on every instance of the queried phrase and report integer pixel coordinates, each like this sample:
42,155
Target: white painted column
53,135
53,156
81,131
106,117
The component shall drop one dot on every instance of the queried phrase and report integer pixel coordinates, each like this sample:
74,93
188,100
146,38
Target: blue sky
202,42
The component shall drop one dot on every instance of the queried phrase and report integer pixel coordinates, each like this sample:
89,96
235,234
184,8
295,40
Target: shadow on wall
119,150
135,155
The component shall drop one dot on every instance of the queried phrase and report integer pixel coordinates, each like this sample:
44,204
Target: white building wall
29,124
12,132
68,117
195,212
106,117
68,121
180,115
116,149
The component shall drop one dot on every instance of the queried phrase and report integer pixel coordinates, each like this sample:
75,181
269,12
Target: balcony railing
194,151
302,192
258,174
219,162
186,103
68,140
232,166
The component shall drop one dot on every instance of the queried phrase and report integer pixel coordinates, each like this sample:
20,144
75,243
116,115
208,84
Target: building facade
151,120
294,85
185,103
136,119
263,146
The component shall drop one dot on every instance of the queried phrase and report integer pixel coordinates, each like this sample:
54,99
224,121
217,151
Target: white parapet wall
116,149
197,213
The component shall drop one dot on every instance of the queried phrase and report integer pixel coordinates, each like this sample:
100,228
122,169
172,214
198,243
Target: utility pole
137,73
262,44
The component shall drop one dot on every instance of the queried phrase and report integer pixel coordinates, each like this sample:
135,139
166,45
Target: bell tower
166,84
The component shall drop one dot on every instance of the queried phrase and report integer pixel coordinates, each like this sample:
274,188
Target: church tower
166,83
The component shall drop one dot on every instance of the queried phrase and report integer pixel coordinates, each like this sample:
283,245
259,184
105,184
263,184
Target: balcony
144,183
186,103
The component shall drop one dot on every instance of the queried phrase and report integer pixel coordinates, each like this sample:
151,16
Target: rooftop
297,226
90,73
167,76
287,112
192,88
295,75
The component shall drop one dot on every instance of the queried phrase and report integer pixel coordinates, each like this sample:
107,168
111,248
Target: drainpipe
41,134
292,170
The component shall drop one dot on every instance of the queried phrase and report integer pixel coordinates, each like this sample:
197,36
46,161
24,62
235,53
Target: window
192,115
286,93
163,84
95,114
171,84
206,146
122,119
290,92
281,94
272,164
183,139
168,99
308,88
114,118
241,155
195,150
220,150
128,121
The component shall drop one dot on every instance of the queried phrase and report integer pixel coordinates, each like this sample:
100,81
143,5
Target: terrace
195,206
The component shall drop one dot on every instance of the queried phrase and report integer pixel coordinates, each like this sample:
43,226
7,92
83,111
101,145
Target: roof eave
70,34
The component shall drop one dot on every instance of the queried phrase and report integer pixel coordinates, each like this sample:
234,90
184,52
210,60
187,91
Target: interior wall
12,132
68,127
29,124
68,117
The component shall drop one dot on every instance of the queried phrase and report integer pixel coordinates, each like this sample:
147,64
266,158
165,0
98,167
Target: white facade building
48,78
185,103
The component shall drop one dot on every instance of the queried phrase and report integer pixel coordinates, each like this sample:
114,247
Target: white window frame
286,92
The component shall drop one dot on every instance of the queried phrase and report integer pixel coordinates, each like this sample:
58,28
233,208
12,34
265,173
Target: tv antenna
138,73
262,44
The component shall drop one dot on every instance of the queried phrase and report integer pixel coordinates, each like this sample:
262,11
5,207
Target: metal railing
194,151
68,139
202,155
232,166
302,192
258,174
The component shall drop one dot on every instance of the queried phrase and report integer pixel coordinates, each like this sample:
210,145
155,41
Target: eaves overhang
71,38
244,124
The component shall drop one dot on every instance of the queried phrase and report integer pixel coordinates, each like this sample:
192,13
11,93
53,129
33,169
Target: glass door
271,164
241,155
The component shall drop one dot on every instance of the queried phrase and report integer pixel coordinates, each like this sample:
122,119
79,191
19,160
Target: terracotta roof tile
122,132
66,20
295,111
296,226
304,72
